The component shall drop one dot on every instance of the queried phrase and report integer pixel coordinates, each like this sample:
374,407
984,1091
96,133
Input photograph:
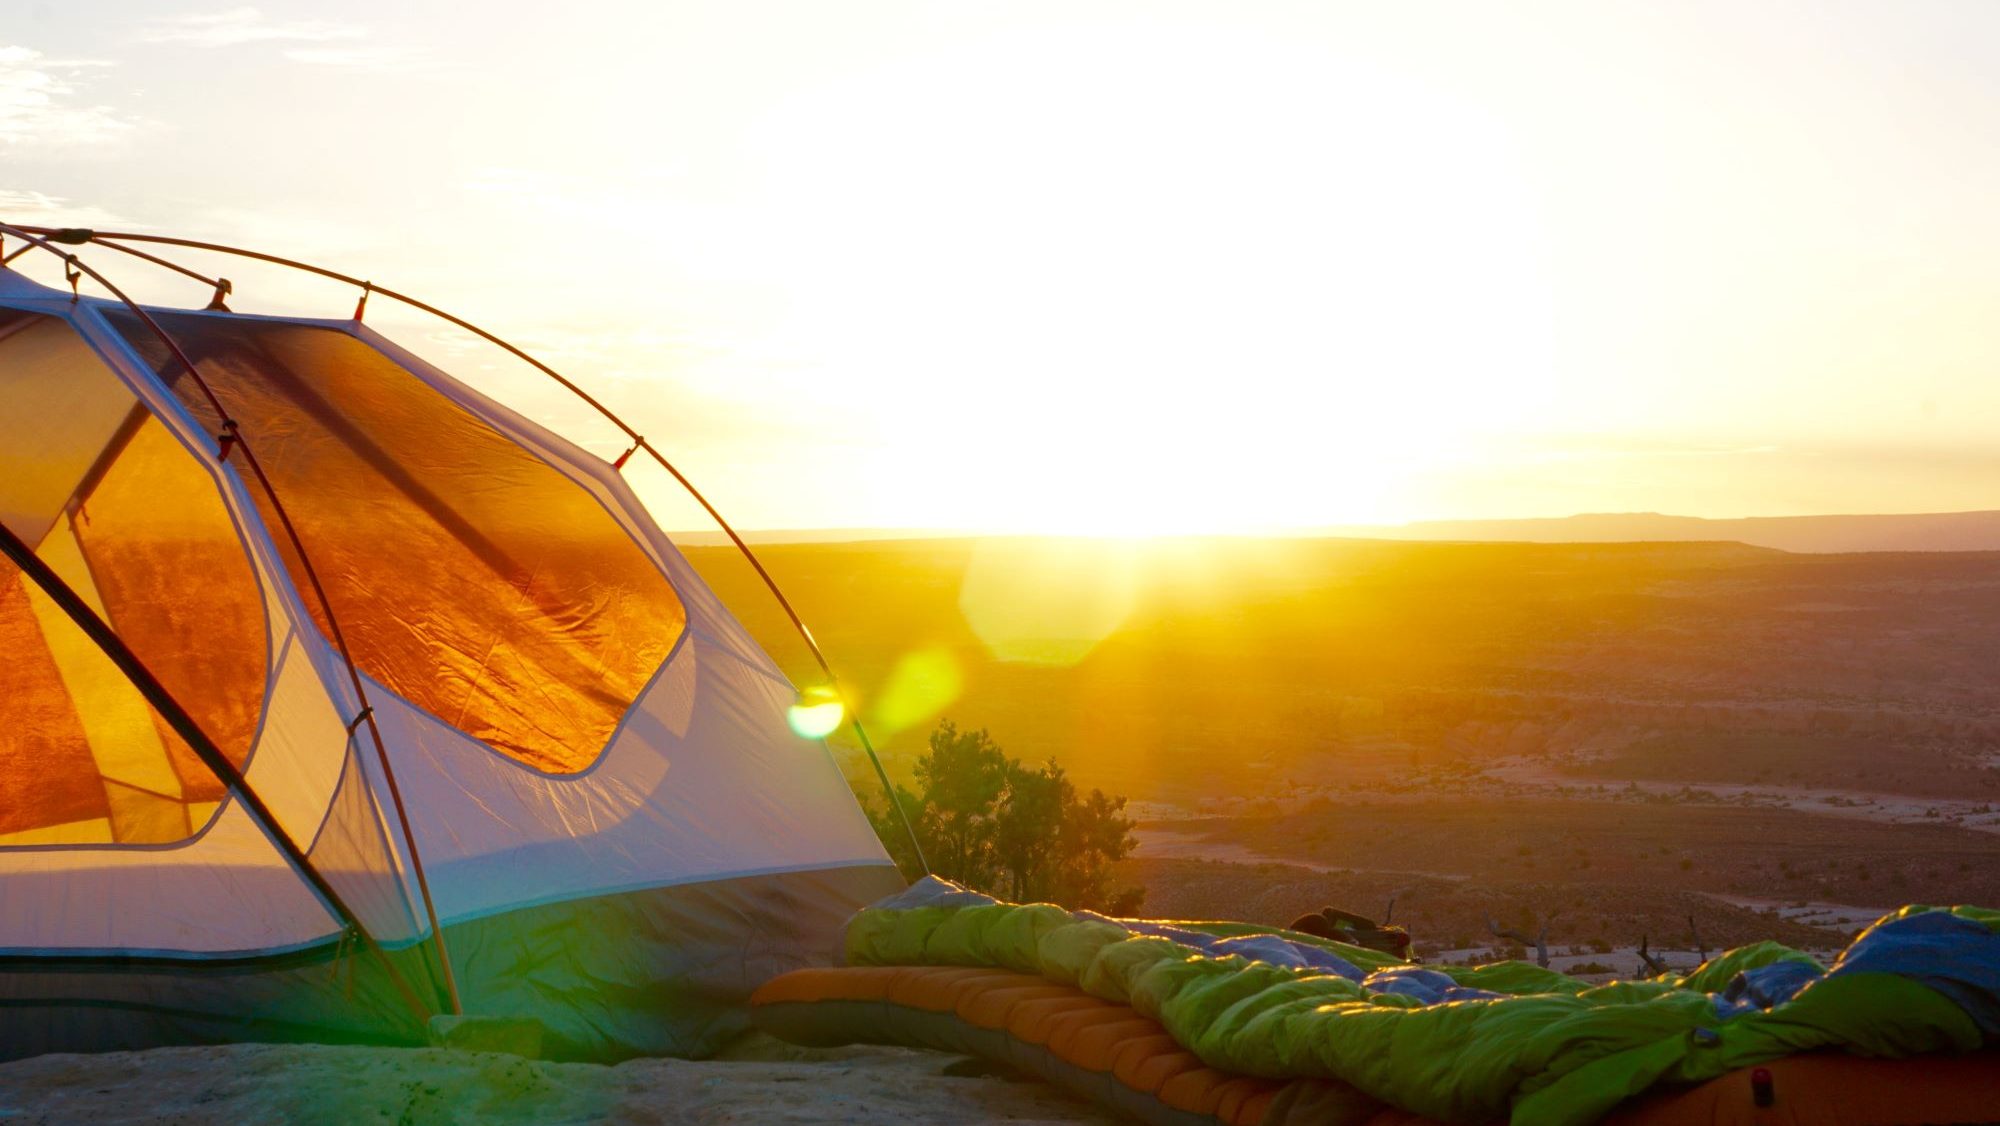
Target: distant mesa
1927,531
1923,531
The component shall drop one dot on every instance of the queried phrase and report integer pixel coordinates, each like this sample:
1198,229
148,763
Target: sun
1274,296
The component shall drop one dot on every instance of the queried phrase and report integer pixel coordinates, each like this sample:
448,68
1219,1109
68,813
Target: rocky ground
307,1083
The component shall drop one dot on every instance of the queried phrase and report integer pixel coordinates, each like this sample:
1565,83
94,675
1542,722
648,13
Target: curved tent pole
232,438
135,252
226,772
221,285
638,443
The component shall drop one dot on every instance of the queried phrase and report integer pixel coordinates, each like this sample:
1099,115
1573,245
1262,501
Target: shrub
1022,833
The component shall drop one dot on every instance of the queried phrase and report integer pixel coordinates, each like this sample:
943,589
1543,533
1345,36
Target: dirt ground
307,1083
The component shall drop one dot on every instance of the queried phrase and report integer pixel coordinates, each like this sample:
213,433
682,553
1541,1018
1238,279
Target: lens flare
921,685
815,718
1048,601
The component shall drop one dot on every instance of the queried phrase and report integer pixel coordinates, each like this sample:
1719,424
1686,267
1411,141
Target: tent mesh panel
469,576
132,522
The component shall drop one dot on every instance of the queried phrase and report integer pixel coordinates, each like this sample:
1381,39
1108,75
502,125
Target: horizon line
1301,531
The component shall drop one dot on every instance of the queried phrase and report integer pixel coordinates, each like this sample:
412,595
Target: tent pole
232,438
639,442
799,624
156,694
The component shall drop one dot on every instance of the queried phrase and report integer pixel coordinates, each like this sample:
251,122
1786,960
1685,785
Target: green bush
1018,832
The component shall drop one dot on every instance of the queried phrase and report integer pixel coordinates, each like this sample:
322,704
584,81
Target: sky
1096,267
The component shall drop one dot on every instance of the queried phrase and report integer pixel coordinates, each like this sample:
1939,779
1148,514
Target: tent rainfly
337,696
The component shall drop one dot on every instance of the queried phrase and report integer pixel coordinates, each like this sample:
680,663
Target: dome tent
338,696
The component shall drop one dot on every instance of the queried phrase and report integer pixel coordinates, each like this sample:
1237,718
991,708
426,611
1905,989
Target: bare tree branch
1658,967
1695,932
1540,942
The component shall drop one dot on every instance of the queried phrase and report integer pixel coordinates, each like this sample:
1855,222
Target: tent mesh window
132,522
469,576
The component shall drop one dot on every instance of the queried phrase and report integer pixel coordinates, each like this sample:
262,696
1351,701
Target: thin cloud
40,107
380,58
237,26
41,210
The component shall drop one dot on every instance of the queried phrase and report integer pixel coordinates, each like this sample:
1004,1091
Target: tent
337,696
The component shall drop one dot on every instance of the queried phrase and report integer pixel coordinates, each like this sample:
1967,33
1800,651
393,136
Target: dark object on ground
1343,926
974,1067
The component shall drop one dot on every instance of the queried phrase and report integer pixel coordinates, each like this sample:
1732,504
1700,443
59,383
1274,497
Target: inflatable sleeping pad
1109,1054
1220,1022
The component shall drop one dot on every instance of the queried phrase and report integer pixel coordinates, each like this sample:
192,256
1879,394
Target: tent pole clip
361,306
627,455
222,290
225,442
360,716
72,275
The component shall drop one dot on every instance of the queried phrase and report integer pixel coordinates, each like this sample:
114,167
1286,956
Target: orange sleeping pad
1110,1054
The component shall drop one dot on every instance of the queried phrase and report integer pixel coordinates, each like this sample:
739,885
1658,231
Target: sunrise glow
1110,268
